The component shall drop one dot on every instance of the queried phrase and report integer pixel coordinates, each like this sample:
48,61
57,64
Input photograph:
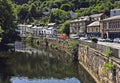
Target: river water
38,65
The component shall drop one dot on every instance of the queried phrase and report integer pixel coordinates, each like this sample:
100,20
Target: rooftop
22,25
85,18
96,15
112,18
96,23
51,24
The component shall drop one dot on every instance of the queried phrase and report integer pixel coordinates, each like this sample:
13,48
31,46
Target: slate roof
96,15
96,23
112,18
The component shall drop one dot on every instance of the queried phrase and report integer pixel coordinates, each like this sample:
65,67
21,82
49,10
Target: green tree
23,14
65,7
65,28
7,23
59,16
1,32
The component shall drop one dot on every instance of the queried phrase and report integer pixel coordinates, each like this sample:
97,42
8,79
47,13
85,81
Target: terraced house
79,26
83,27
93,29
110,27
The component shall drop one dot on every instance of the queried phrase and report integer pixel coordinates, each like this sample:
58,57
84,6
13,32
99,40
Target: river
37,65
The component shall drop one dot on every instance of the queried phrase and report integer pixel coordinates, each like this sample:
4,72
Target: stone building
98,17
24,30
79,26
110,27
93,29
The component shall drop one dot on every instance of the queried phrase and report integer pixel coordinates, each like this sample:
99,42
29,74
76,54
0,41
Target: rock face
95,61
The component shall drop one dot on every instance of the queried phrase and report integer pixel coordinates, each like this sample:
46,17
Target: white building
24,30
115,12
54,25
50,31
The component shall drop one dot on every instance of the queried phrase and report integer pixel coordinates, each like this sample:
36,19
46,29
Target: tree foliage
65,28
26,11
65,7
59,16
7,23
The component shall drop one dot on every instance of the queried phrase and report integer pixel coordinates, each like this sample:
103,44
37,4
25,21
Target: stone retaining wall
94,61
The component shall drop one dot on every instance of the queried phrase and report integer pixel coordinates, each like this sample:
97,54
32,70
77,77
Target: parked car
74,36
83,38
101,39
108,40
116,40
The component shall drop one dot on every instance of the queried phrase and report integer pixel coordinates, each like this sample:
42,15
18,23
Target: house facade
24,30
93,29
110,27
79,26
98,17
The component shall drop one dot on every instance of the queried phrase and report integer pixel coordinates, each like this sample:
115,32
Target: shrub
94,40
109,66
36,42
86,47
108,52
29,38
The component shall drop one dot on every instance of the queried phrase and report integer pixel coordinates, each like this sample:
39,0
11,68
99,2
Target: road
113,45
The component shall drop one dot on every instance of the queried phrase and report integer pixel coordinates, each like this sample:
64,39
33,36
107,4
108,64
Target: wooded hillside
40,11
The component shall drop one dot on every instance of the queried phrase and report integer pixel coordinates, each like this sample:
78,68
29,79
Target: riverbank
89,71
100,65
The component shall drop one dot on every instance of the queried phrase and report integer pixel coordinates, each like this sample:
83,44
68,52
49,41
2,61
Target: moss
86,47
71,46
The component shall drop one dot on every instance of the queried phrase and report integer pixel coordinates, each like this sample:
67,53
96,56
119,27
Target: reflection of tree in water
41,66
36,65
5,71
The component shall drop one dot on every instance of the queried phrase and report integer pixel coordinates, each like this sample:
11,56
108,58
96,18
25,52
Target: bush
94,40
108,52
109,66
86,47
29,38
36,42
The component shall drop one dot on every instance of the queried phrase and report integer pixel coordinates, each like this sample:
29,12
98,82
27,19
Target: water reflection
51,80
39,65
